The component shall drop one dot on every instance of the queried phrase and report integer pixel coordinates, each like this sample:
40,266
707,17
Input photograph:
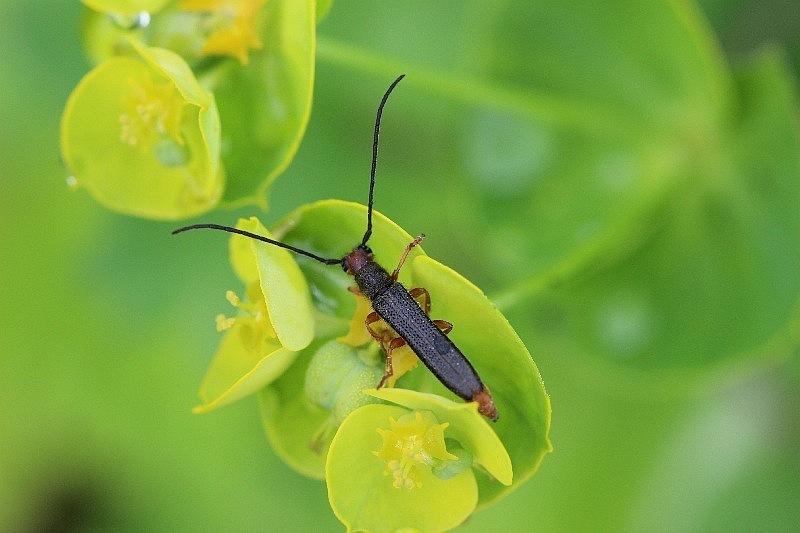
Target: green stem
549,109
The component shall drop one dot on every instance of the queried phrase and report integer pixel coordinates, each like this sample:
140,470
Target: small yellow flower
232,26
414,440
153,112
253,321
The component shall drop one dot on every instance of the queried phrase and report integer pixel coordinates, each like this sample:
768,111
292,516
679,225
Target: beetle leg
387,342
445,326
355,290
379,336
405,255
422,297
397,342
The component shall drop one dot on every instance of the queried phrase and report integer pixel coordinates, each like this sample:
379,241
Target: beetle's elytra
406,312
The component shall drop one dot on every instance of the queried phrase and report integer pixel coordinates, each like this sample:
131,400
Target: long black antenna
261,238
300,251
368,233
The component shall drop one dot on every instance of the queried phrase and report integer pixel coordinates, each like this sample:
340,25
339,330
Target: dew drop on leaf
131,22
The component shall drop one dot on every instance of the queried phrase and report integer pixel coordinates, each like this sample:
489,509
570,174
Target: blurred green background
623,181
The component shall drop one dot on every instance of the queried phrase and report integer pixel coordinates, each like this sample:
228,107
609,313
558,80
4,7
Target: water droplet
143,19
131,22
72,182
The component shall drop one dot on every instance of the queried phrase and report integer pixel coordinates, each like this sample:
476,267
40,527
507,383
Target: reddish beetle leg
405,255
387,342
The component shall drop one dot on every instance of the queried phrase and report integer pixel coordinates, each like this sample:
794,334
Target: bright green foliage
308,390
139,150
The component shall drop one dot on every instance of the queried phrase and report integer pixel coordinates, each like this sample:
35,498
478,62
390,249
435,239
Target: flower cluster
298,340
155,128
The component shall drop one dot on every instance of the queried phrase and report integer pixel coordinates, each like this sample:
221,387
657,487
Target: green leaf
268,102
323,7
711,287
237,371
362,495
586,142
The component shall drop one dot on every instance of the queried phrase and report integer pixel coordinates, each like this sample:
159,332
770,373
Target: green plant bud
336,377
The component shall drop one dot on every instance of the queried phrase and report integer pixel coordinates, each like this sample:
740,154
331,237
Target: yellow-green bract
143,136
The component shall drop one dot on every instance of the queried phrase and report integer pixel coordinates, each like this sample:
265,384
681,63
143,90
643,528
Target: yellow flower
153,112
414,440
232,26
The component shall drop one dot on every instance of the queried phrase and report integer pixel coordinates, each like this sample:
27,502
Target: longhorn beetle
395,305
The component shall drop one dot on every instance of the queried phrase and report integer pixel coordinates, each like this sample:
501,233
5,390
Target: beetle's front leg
412,244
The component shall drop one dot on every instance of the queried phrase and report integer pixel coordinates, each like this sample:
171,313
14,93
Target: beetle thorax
370,277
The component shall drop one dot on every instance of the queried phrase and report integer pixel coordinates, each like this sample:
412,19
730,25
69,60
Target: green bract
360,477
142,136
268,101
274,321
311,386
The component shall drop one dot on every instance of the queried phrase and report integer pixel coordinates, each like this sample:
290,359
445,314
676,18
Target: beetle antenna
368,233
261,238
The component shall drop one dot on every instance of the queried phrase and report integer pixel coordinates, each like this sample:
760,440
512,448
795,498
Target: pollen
224,322
252,322
233,298
152,112
414,441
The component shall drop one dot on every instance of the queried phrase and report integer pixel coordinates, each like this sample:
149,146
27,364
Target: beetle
406,312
